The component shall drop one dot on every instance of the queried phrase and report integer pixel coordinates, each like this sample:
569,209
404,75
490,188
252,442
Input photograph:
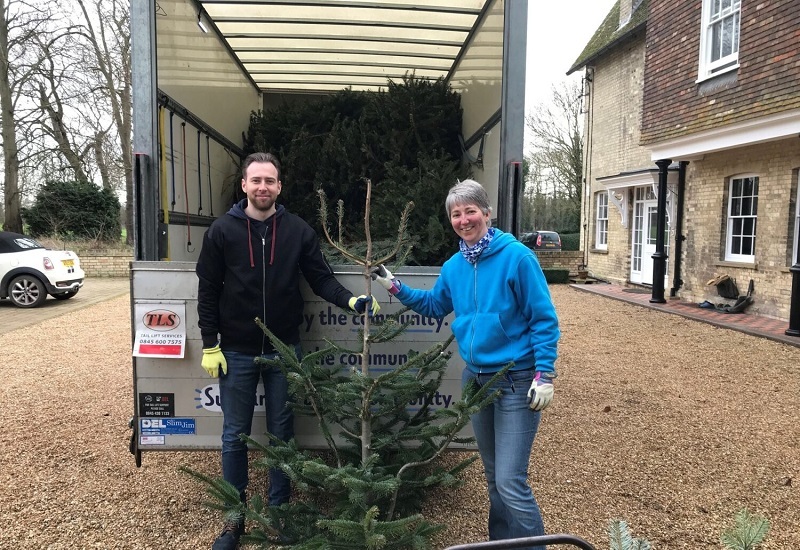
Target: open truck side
199,69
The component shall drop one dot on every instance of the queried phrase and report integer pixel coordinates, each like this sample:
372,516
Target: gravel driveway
668,423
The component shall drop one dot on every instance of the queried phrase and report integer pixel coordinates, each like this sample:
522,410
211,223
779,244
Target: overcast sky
557,33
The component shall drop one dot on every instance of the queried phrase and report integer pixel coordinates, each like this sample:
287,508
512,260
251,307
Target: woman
503,313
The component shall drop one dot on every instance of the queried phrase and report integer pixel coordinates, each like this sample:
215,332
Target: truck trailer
199,69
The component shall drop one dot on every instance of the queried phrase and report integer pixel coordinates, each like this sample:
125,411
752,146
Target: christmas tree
366,490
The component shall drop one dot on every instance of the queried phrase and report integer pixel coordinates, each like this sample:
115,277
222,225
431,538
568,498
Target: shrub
570,241
74,209
556,276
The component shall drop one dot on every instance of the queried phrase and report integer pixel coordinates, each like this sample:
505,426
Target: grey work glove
384,277
541,392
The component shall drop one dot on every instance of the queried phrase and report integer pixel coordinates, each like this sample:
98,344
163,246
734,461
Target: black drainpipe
677,282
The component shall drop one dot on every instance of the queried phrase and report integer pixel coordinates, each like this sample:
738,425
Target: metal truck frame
197,76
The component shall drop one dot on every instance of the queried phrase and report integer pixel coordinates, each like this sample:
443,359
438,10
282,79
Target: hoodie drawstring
274,238
272,246
250,243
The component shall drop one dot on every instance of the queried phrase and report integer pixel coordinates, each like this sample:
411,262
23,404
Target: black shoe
229,538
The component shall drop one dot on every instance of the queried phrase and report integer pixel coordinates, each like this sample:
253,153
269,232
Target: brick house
700,99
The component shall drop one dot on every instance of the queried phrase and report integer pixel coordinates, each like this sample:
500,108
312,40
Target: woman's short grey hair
468,192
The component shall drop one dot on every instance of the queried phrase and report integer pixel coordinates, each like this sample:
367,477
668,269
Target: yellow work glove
359,304
213,360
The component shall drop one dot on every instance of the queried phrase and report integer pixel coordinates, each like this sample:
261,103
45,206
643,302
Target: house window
601,227
719,40
742,216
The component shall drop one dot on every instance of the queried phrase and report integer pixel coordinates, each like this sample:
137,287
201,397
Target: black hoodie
248,269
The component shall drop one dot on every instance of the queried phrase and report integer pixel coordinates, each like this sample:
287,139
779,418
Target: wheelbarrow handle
525,542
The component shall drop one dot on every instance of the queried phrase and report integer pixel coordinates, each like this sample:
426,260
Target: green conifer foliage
74,209
405,139
620,537
367,489
747,533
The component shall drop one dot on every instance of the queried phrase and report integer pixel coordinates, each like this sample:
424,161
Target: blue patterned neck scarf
471,253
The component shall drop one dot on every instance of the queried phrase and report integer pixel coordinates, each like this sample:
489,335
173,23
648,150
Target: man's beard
263,204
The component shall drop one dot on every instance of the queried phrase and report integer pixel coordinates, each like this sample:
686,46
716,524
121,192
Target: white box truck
199,69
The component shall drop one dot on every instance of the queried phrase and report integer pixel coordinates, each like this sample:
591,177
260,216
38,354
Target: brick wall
564,259
765,82
776,164
104,262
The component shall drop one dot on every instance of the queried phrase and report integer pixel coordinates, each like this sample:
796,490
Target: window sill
726,70
599,251
740,265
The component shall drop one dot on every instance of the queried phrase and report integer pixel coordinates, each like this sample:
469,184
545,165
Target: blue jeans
237,392
505,431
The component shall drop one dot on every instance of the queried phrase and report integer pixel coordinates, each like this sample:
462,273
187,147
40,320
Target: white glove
384,277
541,392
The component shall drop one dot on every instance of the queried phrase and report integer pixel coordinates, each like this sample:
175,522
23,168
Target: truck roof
324,46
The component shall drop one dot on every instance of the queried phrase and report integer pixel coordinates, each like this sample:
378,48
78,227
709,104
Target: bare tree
106,29
20,24
58,90
556,159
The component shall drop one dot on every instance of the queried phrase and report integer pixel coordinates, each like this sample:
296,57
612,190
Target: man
248,268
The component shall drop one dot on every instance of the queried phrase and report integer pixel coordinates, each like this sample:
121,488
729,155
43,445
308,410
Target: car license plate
68,263
549,245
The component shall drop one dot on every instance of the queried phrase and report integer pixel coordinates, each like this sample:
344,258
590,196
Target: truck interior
201,67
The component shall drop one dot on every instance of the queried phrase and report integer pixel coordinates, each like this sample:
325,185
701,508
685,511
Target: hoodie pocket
483,337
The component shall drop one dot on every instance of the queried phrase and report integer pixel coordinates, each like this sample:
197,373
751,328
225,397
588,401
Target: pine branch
620,537
401,235
747,533
470,399
323,214
292,368
226,496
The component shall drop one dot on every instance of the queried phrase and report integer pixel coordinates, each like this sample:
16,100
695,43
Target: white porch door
645,231
649,232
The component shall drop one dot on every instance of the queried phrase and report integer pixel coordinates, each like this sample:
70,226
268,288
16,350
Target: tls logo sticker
160,330
161,320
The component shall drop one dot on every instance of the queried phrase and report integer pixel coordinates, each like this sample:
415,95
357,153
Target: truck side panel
177,390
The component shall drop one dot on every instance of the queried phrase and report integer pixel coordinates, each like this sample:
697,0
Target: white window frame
719,16
738,219
601,222
796,225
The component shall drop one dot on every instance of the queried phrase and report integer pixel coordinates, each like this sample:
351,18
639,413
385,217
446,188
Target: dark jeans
237,391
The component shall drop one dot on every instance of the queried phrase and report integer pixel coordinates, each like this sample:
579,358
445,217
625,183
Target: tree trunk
115,71
12,201
55,115
100,159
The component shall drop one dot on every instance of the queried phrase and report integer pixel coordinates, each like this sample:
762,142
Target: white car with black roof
29,271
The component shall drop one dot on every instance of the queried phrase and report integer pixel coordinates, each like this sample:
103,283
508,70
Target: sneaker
229,538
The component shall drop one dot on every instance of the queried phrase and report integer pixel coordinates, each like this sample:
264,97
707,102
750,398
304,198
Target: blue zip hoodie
503,310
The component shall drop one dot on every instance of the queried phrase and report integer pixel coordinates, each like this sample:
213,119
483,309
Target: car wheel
65,295
26,291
